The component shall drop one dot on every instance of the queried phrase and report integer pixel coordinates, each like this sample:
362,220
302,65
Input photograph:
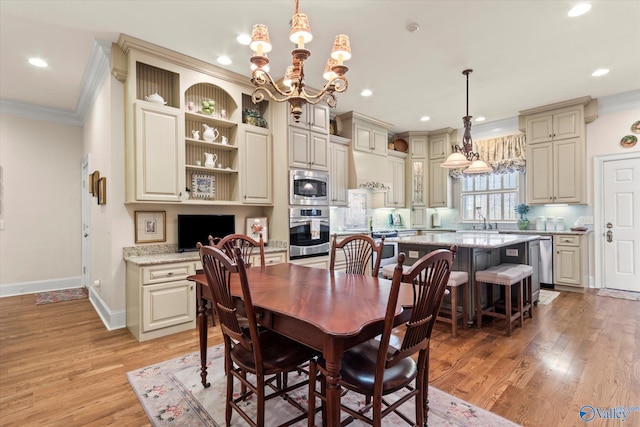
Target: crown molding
96,71
619,102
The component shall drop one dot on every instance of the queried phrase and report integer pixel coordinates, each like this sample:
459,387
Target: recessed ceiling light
37,62
600,72
366,92
579,9
425,118
480,119
224,60
244,39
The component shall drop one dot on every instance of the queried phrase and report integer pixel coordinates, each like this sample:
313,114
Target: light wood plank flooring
59,366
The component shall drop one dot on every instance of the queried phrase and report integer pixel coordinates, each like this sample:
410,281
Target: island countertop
468,240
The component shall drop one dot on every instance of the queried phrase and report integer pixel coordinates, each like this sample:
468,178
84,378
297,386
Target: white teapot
196,134
210,160
154,97
210,133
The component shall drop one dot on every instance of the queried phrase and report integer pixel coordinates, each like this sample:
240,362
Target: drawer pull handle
170,273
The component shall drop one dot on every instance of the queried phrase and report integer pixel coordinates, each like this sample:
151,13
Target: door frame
85,226
598,193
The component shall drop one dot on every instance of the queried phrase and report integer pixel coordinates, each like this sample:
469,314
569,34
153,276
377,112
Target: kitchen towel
315,229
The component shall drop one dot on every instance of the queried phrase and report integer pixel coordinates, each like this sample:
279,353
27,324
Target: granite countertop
469,240
163,254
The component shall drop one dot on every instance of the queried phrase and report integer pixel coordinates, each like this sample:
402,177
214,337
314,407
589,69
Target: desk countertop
164,258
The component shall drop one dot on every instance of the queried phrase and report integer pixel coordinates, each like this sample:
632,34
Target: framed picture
255,226
93,182
150,226
203,186
102,191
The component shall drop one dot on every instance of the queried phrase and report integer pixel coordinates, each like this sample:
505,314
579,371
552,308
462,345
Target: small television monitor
197,228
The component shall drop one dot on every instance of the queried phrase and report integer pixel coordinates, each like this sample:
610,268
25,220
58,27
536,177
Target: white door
86,224
621,221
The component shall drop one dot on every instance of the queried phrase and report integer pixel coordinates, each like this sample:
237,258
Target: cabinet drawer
269,259
567,240
167,272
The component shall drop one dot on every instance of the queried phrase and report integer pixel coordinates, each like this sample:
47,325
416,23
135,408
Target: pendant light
464,156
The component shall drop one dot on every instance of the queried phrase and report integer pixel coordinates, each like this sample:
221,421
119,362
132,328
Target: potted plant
522,210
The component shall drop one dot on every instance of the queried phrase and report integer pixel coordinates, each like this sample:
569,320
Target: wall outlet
512,252
414,254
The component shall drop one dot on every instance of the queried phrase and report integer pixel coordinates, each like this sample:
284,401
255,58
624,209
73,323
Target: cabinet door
439,146
439,189
418,217
539,129
159,162
539,174
318,118
567,125
269,259
168,304
567,266
338,174
418,182
299,148
395,197
380,142
257,178
319,151
568,175
418,145
363,138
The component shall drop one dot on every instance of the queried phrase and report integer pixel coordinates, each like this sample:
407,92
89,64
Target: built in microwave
308,187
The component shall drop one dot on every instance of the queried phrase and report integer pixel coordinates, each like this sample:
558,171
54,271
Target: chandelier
293,86
464,156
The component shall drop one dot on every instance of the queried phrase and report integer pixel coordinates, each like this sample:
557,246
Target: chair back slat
228,245
359,252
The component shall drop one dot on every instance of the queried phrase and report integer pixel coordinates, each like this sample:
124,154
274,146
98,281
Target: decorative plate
401,145
635,127
629,141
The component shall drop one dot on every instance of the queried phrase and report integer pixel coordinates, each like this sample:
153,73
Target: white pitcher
196,134
210,160
210,133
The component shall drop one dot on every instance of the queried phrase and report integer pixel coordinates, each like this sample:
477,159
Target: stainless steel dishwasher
546,261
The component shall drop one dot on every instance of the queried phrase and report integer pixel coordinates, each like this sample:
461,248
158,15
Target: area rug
547,296
171,394
62,295
615,293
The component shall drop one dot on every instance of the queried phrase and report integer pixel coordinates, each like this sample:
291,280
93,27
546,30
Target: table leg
333,363
203,329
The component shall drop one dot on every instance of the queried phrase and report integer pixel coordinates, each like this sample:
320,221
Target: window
493,197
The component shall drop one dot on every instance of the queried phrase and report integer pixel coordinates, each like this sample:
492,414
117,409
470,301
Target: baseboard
40,286
112,319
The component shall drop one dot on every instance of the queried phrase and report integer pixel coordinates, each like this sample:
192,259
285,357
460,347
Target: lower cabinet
160,301
269,259
568,262
318,262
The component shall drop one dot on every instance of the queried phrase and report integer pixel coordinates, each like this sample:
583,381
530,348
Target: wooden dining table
329,311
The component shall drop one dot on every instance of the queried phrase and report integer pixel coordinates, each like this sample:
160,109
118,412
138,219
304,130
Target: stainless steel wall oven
308,231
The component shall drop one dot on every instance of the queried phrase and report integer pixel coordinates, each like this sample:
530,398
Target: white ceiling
524,53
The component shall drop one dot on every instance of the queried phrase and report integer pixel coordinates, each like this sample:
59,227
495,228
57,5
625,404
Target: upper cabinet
367,134
395,198
309,138
556,141
193,136
338,171
314,118
440,142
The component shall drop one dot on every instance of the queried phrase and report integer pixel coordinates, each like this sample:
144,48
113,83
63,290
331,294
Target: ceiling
524,54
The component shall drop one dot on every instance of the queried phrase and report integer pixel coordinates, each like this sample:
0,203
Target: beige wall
41,171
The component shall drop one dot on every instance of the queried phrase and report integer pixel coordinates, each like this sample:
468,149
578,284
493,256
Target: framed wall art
255,226
150,226
203,186
102,191
93,182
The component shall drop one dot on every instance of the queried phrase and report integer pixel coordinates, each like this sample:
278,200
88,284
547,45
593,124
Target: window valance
505,154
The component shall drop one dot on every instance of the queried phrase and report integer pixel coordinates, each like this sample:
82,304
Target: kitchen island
478,251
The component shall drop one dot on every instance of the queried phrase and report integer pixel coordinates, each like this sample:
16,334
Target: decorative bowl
401,145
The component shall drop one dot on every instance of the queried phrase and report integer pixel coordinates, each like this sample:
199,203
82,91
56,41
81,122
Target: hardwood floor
59,366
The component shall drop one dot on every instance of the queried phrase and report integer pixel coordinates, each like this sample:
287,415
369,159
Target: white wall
41,240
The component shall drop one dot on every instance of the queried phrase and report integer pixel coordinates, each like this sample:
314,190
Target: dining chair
376,369
359,250
249,350
246,245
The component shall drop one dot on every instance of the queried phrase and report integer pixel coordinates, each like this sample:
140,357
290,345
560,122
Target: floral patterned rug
547,296
171,394
50,297
614,293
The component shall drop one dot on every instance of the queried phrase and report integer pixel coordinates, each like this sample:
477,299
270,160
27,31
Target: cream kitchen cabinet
308,150
367,134
439,181
395,198
314,118
418,182
269,258
552,127
555,172
257,166
159,299
157,170
317,262
418,217
338,171
569,261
